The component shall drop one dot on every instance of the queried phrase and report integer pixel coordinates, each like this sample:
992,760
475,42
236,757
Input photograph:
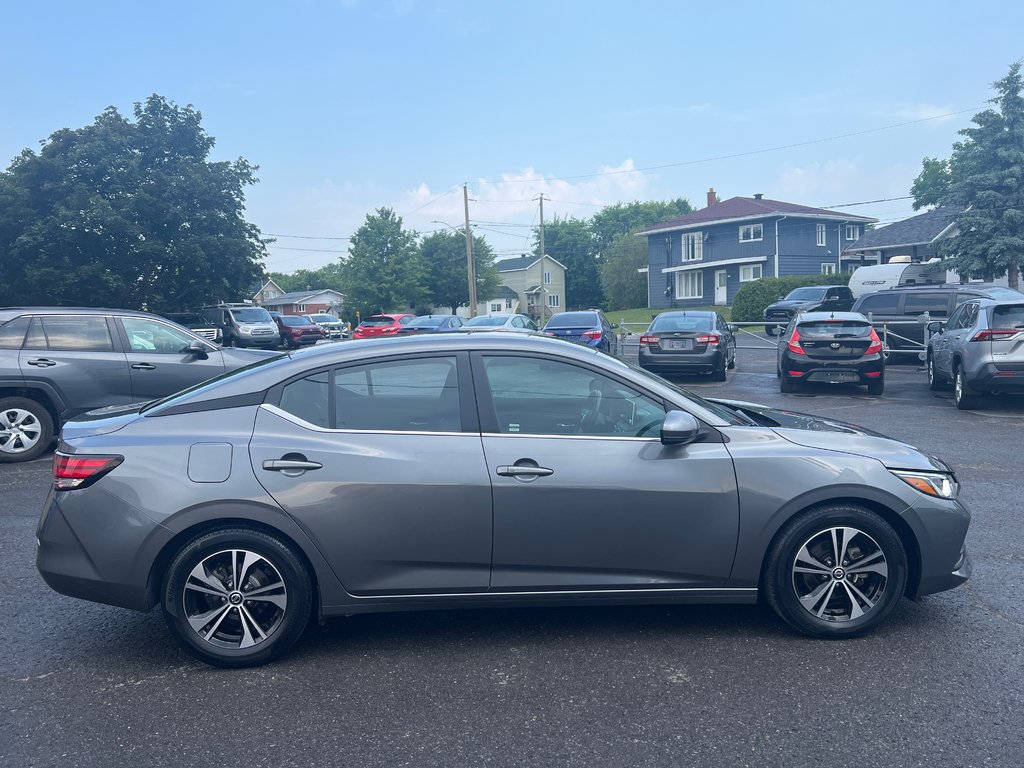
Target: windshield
725,413
806,294
836,327
251,315
1004,294
482,321
323,318
573,320
295,320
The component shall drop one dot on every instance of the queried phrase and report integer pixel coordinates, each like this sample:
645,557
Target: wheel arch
43,395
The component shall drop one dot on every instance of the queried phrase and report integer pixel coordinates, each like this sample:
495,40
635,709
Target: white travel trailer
878,277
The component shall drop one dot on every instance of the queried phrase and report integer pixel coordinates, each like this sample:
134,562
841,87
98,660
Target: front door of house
721,291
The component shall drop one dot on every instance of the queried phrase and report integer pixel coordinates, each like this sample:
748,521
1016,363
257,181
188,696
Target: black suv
810,298
903,308
58,362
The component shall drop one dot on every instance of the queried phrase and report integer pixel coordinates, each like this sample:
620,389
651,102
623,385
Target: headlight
930,483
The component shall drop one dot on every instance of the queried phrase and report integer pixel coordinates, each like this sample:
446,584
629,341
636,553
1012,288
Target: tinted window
12,334
1005,317
486,322
918,303
146,335
420,395
574,320
80,333
295,320
681,323
377,322
251,315
307,399
836,328
881,303
806,294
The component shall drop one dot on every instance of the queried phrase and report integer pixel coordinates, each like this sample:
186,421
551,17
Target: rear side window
933,303
12,334
882,304
308,399
74,333
1002,317
420,395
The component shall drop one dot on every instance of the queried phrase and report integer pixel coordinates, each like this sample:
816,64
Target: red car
381,325
297,330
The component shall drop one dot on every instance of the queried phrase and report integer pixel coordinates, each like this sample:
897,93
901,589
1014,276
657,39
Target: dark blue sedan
587,327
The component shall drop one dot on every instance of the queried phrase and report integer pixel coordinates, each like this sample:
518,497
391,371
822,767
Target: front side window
535,396
751,232
691,285
74,333
146,335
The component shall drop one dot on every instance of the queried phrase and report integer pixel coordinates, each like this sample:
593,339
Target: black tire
769,330
732,360
787,385
936,383
876,387
26,429
965,396
718,373
233,631
826,598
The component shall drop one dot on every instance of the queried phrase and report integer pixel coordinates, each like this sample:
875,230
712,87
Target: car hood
824,434
101,421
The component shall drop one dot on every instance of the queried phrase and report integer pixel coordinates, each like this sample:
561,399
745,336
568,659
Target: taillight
875,347
995,334
73,472
390,329
593,335
648,341
711,339
794,343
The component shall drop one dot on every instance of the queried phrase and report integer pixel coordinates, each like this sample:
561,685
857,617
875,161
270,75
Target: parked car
688,342
899,312
381,325
243,325
812,298
198,324
298,331
831,348
587,327
58,362
333,327
431,324
502,322
980,349
311,484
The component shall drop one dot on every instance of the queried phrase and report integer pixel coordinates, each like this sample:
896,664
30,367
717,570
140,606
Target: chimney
712,197
758,195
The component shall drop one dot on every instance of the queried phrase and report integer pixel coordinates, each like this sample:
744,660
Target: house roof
299,297
255,288
504,292
740,208
522,262
922,229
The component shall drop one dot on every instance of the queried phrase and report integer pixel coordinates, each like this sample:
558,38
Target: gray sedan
488,469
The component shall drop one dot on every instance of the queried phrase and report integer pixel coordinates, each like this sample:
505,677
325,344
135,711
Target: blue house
704,257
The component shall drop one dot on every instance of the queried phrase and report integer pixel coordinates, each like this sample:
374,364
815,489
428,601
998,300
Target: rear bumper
862,371
993,378
680,362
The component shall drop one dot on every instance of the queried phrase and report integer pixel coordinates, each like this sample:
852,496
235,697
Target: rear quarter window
933,303
1002,317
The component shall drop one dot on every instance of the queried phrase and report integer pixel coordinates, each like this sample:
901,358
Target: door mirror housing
936,326
199,349
679,428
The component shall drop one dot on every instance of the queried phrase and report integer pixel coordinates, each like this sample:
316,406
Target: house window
508,303
302,307
828,268
821,234
750,272
750,233
691,285
852,232
547,278
692,246
496,307
553,300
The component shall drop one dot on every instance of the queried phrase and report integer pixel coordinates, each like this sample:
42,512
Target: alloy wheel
840,574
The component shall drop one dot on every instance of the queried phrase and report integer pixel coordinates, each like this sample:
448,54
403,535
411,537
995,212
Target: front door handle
42,362
143,366
521,471
290,467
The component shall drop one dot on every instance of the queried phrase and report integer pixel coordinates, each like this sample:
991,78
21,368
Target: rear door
957,332
159,362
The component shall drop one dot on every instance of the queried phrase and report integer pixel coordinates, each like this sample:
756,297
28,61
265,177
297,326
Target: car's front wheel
237,597
26,429
835,571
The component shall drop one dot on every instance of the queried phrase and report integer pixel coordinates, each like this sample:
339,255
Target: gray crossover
493,469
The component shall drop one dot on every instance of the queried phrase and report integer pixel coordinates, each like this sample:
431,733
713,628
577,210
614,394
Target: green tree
128,214
625,218
932,184
624,287
328,276
384,270
986,181
571,242
444,256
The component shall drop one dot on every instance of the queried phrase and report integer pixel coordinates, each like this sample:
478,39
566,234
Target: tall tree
384,270
932,184
444,256
624,218
128,214
571,242
986,181
624,286
328,276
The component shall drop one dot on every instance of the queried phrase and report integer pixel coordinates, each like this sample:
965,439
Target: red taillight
875,347
594,335
71,472
711,339
793,345
648,341
995,334
795,374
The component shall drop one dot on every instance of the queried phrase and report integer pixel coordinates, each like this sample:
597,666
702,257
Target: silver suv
980,349
58,362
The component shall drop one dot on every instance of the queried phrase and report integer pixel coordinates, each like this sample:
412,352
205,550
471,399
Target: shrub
750,301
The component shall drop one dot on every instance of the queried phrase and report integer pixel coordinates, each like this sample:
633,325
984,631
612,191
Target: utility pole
470,266
542,225
543,291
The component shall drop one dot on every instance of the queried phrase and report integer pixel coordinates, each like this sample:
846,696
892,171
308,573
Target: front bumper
941,527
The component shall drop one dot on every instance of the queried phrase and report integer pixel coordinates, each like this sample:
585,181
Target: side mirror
781,298
614,326
733,328
199,349
679,428
936,326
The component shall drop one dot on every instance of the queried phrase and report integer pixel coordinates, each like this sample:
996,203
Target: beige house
529,285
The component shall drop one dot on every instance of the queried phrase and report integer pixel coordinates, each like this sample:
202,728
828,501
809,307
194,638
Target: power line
303,237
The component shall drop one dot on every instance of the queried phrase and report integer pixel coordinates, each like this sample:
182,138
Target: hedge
750,301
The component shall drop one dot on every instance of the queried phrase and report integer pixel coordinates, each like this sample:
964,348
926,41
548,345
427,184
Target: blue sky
354,105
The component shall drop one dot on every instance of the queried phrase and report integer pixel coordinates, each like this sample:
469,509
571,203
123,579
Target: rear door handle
290,465
42,362
143,366
519,471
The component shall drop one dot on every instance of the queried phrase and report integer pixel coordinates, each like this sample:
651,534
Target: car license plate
681,344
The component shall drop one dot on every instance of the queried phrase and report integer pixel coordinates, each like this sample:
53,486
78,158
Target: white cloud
938,113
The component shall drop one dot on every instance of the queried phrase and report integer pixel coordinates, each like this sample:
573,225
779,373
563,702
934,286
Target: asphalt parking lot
941,683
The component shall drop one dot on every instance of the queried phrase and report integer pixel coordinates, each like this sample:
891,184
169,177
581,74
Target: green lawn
635,318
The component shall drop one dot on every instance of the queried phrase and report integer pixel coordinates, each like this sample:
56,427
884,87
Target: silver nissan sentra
485,469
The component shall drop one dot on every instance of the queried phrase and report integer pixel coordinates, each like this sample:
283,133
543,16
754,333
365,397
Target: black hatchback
831,348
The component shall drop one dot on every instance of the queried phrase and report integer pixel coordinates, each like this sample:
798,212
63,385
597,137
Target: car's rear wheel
787,385
836,571
964,395
237,597
936,383
732,360
718,373
26,429
876,387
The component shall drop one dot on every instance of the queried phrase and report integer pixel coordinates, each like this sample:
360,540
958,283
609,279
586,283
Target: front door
159,361
586,496
721,287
